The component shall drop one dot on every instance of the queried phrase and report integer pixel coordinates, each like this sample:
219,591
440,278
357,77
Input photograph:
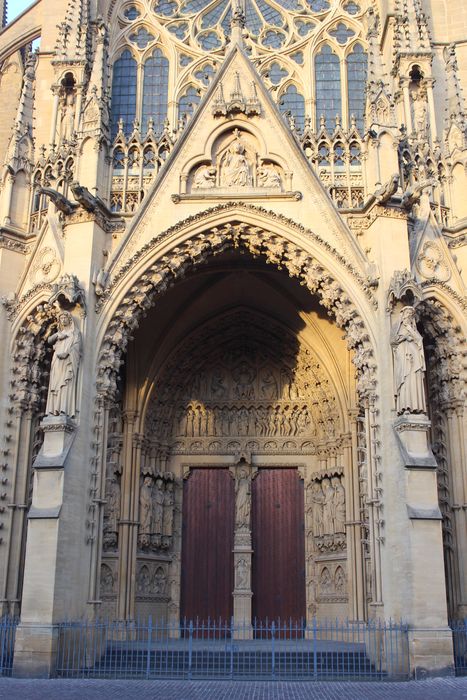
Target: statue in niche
338,505
419,109
268,385
205,178
243,421
236,168
409,364
157,512
168,514
241,578
61,399
328,508
68,117
242,500
145,511
225,421
317,508
268,176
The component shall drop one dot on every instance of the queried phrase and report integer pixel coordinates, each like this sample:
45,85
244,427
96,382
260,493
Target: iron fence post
273,658
190,648
315,649
148,658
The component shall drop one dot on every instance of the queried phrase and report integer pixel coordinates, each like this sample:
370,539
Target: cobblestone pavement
435,689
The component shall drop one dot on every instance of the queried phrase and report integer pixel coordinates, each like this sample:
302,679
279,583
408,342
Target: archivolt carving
276,250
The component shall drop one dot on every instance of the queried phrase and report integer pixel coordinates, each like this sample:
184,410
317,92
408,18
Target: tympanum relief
241,385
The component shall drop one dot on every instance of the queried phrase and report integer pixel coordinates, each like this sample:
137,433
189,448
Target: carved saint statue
339,505
158,508
168,513
205,178
236,170
145,510
328,509
242,501
113,504
409,364
61,399
68,117
317,508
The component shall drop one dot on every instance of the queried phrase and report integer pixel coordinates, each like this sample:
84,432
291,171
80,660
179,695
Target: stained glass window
328,87
357,66
293,102
124,92
155,90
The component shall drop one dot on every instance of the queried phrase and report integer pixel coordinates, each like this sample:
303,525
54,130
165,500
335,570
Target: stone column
242,593
36,636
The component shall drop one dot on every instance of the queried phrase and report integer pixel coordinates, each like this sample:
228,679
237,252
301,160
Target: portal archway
239,371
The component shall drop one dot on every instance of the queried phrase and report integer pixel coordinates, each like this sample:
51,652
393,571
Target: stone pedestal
430,644
242,594
36,637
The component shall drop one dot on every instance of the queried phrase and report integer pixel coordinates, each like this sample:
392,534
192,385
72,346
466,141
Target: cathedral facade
232,273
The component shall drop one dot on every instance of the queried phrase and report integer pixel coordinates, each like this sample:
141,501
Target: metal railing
459,641
7,644
220,650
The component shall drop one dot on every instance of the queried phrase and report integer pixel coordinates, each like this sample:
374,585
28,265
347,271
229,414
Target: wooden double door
278,560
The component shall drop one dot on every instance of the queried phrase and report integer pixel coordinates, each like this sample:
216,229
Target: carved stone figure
205,178
143,581
236,169
68,117
268,386
145,511
168,514
409,364
61,399
268,176
242,500
111,512
158,511
338,505
160,581
328,509
241,574
317,505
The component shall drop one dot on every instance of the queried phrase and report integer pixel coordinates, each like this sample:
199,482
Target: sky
15,7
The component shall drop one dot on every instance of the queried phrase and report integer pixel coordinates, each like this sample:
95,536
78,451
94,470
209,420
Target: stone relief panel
156,512
108,580
236,164
241,386
152,580
332,583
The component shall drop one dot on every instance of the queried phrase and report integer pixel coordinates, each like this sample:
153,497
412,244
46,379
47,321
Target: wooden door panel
207,544
278,572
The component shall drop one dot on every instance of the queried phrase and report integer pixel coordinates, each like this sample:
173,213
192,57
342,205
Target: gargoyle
61,202
384,193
